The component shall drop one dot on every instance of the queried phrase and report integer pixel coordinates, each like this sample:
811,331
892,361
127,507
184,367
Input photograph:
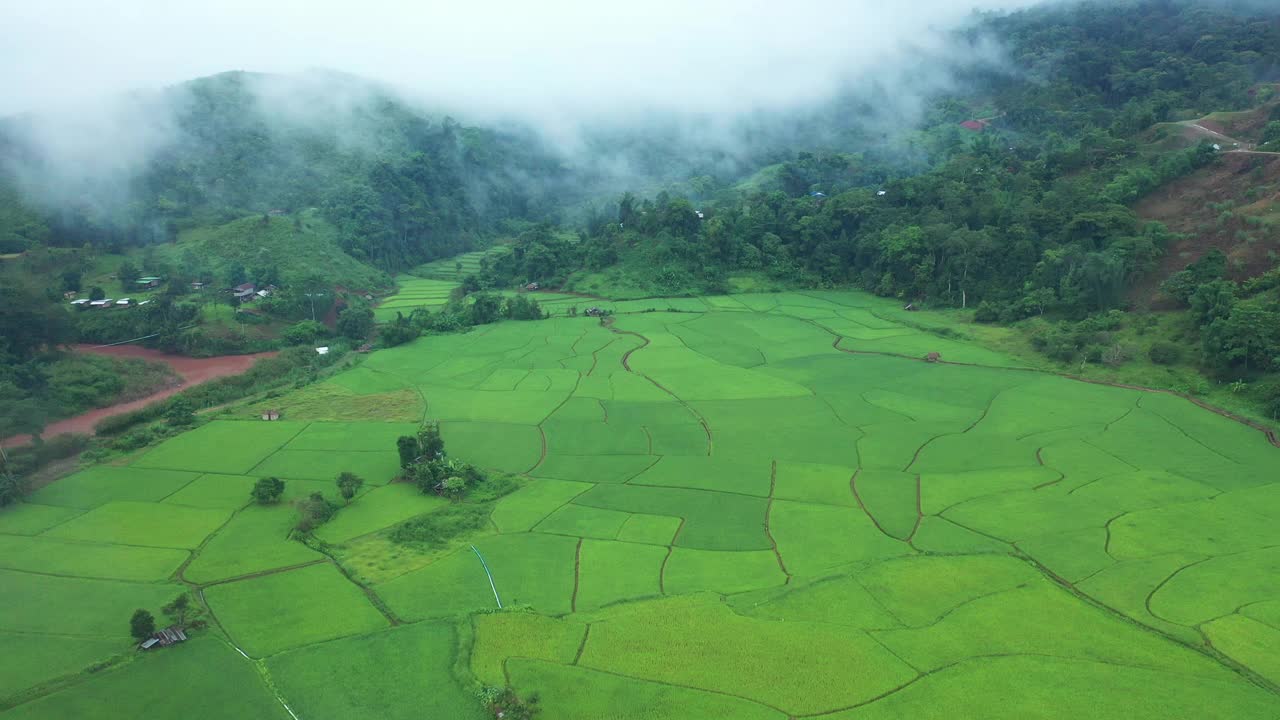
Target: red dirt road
193,371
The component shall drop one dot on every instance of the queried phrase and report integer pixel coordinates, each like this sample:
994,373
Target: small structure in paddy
270,414
164,638
933,357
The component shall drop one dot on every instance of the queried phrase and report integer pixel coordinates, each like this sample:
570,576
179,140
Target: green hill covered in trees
1016,194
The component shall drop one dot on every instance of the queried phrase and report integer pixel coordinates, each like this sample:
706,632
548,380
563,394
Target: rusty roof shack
164,638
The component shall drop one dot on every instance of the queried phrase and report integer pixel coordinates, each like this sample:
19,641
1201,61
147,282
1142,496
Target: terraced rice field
413,293
457,267
430,285
760,506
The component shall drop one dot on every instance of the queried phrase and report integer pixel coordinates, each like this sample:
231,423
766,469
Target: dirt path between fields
193,371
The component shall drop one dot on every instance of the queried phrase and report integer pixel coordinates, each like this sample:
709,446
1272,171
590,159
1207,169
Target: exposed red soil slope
1184,205
193,371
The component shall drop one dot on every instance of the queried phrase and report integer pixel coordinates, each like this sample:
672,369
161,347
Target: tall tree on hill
355,323
29,321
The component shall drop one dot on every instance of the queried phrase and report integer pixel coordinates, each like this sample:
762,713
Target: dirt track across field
193,371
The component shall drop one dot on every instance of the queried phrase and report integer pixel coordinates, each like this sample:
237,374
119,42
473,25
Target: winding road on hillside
1240,147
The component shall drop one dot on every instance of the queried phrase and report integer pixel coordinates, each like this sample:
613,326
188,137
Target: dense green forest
1012,195
402,187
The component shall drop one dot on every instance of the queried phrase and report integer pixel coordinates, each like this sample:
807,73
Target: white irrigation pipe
144,337
261,670
486,572
125,342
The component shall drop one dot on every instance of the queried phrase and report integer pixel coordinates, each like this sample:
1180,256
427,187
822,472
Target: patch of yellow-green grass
699,642
332,401
503,635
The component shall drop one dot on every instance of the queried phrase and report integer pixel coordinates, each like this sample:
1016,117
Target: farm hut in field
69,295
270,414
164,638
532,286
322,350
933,357
149,281
197,286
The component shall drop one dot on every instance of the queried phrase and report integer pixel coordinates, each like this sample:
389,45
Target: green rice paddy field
751,506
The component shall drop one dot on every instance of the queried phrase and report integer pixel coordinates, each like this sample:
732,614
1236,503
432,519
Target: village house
270,414
147,282
245,292
197,286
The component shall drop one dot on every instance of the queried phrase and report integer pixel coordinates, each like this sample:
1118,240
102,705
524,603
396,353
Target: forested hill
402,186
1011,190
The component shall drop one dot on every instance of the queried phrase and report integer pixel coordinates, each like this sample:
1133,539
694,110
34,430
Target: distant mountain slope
401,186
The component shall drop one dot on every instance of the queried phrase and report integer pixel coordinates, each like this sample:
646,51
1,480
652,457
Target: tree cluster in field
181,612
505,703
480,308
424,462
313,511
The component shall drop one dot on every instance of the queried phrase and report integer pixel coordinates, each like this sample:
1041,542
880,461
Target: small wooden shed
270,414
164,638
933,357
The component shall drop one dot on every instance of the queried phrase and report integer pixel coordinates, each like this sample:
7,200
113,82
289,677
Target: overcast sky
532,56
